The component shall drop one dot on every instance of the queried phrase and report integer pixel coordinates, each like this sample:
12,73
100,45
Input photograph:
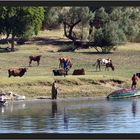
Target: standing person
134,81
54,90
65,64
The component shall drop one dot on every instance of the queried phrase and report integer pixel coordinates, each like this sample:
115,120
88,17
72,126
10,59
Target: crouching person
54,90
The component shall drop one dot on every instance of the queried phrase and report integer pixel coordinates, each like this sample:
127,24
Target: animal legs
30,63
38,63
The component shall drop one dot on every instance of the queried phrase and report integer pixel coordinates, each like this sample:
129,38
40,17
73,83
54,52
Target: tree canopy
99,27
20,21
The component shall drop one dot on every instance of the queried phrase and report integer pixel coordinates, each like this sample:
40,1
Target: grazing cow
60,72
79,72
61,62
34,58
104,62
17,72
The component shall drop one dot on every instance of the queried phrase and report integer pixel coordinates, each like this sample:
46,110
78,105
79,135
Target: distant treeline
100,27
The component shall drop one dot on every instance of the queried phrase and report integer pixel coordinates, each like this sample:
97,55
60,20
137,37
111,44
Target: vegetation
20,22
103,28
37,81
79,32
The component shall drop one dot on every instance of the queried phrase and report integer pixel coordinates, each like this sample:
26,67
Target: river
84,115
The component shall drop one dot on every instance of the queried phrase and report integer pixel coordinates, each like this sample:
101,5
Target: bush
109,36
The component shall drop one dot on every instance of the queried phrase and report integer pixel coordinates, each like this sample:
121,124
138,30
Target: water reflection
71,116
2,109
66,121
54,108
134,108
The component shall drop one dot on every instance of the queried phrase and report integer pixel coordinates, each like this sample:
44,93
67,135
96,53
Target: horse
104,62
109,65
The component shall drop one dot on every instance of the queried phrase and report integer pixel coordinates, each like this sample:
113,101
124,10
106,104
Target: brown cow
61,62
17,72
34,58
60,72
79,72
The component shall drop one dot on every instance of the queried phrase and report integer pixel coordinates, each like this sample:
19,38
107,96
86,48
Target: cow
34,58
79,72
17,72
104,62
60,72
61,62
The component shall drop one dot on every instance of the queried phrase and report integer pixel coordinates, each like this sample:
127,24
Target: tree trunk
68,32
12,43
7,36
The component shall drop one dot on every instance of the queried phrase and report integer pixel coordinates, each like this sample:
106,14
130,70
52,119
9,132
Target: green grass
37,81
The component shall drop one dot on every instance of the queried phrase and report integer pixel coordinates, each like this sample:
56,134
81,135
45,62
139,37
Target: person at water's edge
134,81
54,90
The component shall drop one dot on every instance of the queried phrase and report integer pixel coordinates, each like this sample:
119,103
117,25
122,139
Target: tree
75,17
114,25
108,37
20,21
101,17
52,17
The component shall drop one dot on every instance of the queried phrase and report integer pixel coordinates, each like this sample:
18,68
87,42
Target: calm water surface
71,116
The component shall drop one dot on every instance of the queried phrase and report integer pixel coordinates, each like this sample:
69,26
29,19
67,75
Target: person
54,90
65,63
134,81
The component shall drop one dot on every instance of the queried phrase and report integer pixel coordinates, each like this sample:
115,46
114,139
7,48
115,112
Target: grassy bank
70,86
37,81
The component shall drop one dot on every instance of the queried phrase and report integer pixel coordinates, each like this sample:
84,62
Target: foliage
108,36
52,18
115,25
72,15
20,21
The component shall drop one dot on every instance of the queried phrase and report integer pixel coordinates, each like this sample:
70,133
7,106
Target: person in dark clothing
54,90
134,81
65,62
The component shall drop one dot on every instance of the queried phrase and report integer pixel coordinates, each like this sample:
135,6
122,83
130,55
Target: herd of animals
61,71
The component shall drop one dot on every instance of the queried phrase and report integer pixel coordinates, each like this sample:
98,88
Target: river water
84,115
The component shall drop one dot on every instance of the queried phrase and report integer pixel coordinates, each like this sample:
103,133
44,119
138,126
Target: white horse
104,62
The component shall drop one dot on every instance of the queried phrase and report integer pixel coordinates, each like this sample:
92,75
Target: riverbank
37,81
69,86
